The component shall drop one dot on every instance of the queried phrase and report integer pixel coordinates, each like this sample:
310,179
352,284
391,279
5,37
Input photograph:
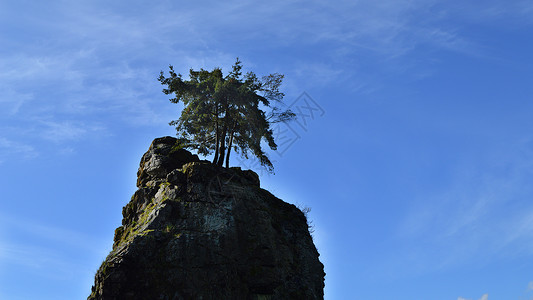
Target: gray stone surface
197,231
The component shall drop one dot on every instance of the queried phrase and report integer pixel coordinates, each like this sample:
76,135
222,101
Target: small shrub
306,210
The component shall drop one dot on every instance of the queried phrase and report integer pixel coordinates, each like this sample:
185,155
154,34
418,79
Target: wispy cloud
40,252
484,215
40,231
12,101
94,60
10,148
67,130
452,40
35,254
34,257
512,12
484,297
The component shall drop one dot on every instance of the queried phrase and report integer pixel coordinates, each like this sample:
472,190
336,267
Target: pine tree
222,113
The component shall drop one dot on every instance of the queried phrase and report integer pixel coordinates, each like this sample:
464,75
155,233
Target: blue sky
417,162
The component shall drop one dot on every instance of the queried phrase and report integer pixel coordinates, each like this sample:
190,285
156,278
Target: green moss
118,233
133,229
146,232
169,228
164,184
103,270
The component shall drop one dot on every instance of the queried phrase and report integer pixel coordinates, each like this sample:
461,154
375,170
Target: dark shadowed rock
163,156
197,231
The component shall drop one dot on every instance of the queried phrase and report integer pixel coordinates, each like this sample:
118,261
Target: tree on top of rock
222,113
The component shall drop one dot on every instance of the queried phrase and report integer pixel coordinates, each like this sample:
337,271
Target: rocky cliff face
197,231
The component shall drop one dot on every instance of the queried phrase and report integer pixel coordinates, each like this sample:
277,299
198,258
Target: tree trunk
222,151
229,149
215,158
217,139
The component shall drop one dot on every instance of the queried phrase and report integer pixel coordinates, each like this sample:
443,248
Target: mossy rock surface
197,231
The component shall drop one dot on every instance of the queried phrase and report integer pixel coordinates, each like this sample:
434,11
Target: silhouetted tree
227,112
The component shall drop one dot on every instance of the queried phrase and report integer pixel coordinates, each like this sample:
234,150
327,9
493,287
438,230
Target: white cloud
67,130
9,148
63,131
39,260
100,61
35,254
517,12
317,74
484,297
12,101
39,230
481,215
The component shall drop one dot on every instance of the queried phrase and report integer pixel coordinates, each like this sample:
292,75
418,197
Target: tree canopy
222,113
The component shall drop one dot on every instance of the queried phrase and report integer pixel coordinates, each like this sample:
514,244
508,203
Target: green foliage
180,144
222,113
